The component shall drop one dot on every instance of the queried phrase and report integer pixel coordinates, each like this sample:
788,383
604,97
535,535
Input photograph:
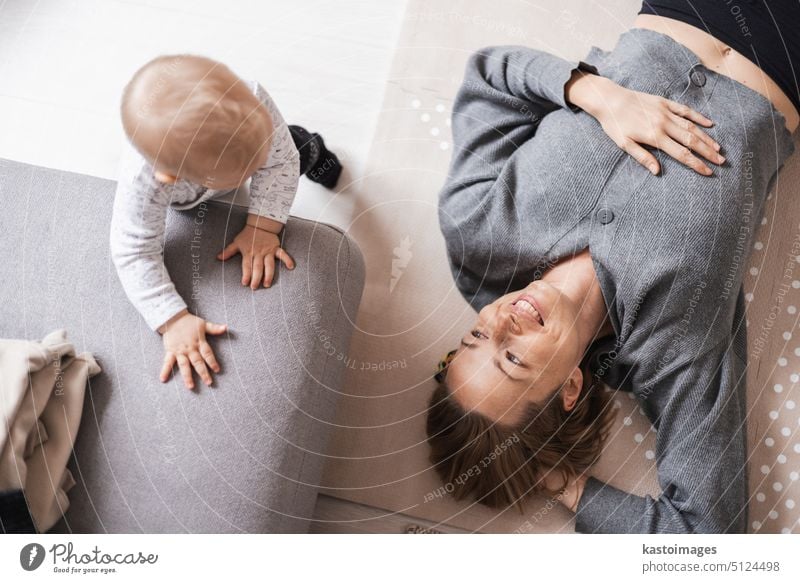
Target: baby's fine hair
192,117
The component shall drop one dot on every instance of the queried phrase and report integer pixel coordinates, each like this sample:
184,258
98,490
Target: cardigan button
697,77
604,215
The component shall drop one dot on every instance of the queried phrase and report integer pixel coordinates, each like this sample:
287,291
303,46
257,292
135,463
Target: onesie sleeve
137,238
274,185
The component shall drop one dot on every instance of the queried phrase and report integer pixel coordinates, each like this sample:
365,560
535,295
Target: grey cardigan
533,180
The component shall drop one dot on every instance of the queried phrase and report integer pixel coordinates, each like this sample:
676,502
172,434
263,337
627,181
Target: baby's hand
185,343
259,248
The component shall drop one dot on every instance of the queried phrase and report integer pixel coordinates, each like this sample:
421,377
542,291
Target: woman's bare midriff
719,57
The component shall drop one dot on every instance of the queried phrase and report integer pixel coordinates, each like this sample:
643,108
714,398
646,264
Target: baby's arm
272,191
137,234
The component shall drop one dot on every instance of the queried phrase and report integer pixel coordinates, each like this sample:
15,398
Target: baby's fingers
285,257
258,271
269,270
186,370
166,369
228,252
208,355
215,329
247,268
200,366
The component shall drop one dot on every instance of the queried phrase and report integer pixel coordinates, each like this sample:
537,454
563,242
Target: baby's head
193,118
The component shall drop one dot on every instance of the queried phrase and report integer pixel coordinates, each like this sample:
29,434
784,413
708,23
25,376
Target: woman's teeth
527,307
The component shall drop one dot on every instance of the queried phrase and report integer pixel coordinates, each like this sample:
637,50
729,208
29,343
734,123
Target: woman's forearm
588,91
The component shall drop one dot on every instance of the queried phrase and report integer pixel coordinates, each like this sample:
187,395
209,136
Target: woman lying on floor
590,218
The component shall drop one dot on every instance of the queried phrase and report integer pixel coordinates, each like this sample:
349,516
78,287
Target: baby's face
221,181
212,182
164,177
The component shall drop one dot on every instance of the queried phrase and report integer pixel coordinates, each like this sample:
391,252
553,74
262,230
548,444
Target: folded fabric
42,386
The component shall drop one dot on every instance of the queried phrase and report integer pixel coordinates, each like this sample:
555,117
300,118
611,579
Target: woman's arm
505,94
701,453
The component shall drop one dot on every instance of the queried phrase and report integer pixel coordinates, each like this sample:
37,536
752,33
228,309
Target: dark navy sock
319,164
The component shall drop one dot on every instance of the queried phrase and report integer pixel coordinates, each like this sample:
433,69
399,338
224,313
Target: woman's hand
184,337
260,247
634,119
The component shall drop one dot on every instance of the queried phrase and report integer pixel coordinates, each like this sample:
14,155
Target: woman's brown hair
500,466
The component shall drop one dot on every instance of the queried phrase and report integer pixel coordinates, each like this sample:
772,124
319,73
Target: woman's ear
571,389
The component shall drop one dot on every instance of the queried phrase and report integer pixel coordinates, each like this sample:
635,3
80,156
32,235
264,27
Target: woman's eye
478,334
513,359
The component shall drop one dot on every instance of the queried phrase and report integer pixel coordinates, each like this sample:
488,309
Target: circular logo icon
31,556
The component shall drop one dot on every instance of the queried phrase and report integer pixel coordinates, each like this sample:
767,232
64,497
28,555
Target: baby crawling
197,131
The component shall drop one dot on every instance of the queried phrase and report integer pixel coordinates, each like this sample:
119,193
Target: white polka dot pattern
432,117
774,422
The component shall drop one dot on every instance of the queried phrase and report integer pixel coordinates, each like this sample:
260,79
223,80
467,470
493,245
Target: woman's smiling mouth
526,306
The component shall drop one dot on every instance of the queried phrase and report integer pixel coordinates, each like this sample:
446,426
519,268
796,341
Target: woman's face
523,347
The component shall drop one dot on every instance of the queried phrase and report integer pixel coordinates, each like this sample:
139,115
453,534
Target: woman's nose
508,322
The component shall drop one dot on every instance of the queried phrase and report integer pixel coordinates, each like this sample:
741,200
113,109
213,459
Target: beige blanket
42,385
